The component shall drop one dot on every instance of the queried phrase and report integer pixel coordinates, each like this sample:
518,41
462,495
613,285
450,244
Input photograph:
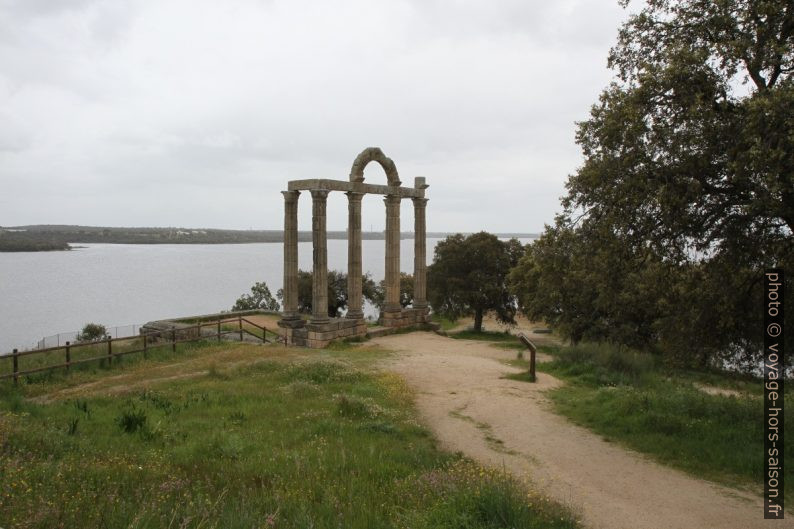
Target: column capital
290,196
353,196
392,200
319,194
420,202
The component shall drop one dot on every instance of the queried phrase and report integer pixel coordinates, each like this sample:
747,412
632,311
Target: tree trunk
478,320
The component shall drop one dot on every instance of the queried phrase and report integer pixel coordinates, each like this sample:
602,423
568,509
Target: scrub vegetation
242,436
632,398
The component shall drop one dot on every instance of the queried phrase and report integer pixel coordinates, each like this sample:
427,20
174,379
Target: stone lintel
355,187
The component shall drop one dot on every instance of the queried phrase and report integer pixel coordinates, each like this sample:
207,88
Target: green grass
444,323
522,377
161,350
281,440
488,336
502,340
630,398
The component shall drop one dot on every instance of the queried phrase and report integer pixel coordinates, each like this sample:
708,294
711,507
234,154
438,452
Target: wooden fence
159,338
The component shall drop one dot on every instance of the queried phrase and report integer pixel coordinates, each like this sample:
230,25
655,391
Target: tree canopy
469,277
337,292
690,148
378,297
92,332
687,189
259,298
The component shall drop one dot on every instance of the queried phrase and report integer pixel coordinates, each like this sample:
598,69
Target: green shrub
604,364
132,420
71,428
259,299
355,407
92,332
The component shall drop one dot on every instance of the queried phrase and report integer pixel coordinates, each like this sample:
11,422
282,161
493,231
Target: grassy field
237,435
630,398
78,353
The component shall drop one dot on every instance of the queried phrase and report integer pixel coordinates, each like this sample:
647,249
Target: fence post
199,330
264,334
145,355
532,363
173,339
219,329
110,351
240,322
68,356
16,365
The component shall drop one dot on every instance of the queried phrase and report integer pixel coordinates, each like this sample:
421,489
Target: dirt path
461,395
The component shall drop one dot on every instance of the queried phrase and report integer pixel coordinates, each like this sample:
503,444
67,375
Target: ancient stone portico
320,329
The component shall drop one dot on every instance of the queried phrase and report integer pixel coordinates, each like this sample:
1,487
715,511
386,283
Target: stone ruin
321,329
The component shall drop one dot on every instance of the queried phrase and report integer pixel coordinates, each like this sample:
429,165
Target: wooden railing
159,338
532,350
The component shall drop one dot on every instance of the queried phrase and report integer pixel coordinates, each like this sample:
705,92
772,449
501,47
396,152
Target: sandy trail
461,395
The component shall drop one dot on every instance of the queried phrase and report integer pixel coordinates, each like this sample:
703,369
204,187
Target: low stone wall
404,318
165,330
319,335
222,315
185,328
303,333
385,331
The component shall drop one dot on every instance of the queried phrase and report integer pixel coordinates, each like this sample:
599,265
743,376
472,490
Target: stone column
354,294
320,258
392,302
290,311
420,254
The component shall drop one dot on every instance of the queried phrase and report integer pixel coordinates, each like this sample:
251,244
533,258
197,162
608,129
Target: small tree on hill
259,298
469,277
92,332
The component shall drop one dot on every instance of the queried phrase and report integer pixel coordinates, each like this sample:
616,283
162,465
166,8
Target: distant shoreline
36,238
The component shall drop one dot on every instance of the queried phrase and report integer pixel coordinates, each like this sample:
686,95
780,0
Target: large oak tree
469,277
687,183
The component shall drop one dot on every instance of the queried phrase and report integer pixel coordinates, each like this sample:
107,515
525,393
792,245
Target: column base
291,323
319,335
421,314
355,315
290,316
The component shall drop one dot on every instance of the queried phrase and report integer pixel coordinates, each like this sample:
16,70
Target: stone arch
374,154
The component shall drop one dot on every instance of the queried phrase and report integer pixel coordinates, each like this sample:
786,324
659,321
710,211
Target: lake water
45,293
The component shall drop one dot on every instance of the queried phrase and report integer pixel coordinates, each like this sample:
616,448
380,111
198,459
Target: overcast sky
196,113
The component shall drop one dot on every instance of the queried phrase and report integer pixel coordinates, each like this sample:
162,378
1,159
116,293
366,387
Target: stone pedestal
294,331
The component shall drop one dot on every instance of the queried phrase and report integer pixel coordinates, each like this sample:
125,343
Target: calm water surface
44,293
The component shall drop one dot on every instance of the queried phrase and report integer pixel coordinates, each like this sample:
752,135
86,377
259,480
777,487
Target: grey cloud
220,104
